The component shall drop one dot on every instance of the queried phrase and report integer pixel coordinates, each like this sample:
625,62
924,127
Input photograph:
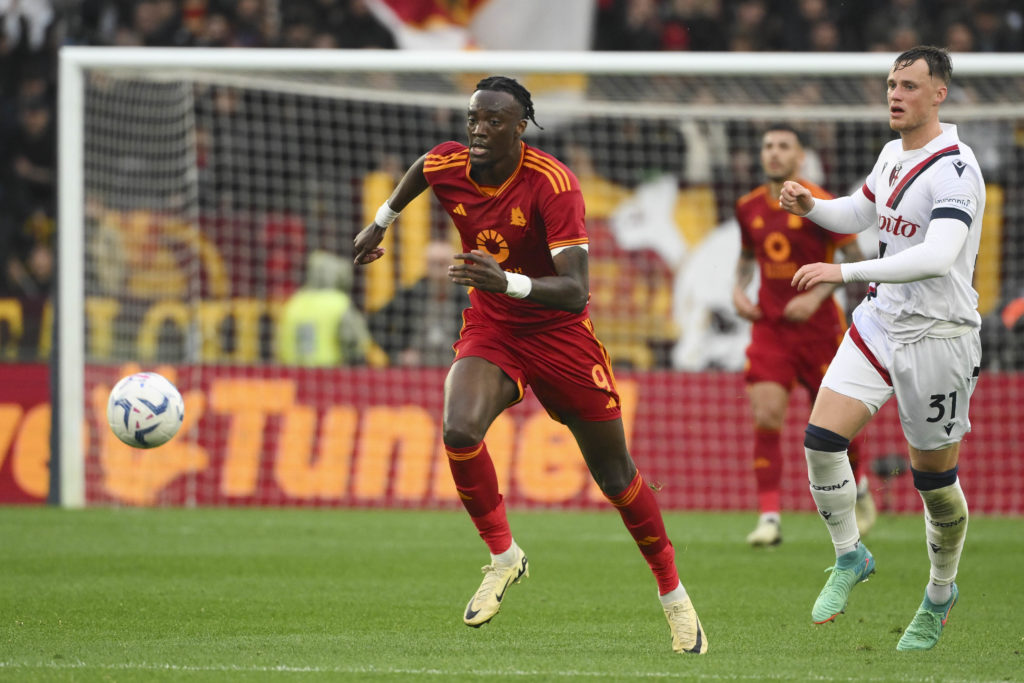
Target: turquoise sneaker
924,631
849,570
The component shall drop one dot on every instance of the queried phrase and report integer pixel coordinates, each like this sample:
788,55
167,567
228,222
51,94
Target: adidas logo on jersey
459,209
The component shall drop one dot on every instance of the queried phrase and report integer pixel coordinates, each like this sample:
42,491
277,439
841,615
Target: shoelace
841,575
491,576
687,627
919,628
853,572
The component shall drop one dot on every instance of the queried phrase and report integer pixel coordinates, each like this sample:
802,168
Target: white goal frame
168,62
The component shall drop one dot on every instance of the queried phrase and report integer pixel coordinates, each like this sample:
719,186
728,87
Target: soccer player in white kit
915,336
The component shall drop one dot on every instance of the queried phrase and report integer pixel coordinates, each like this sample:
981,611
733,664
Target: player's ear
521,127
940,94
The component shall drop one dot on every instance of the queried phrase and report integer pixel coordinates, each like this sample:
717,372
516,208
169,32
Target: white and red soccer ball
145,410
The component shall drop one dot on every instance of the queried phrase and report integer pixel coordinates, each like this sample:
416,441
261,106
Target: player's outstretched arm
846,215
366,246
931,258
566,291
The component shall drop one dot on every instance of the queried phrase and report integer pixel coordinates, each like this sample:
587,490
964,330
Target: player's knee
613,480
462,434
820,439
768,420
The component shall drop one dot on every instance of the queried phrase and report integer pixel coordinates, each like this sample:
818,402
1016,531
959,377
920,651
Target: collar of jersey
515,174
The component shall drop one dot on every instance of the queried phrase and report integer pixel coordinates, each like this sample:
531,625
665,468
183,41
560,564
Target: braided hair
513,88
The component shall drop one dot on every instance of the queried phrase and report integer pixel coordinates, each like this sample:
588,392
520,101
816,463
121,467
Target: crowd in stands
809,25
32,31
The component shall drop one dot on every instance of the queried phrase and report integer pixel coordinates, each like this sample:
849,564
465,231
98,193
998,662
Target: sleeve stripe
868,193
568,243
950,212
427,168
563,177
439,158
554,183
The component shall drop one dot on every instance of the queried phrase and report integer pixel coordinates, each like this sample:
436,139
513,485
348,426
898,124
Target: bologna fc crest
894,173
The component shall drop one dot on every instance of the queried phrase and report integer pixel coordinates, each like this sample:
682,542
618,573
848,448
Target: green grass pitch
376,595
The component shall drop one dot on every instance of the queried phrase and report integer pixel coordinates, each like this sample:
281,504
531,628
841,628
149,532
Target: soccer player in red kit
794,334
520,214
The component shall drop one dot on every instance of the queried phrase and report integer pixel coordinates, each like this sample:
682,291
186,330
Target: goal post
194,184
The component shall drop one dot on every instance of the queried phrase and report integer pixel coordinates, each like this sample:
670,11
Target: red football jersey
540,207
782,242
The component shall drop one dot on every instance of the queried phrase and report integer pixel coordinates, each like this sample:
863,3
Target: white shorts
932,379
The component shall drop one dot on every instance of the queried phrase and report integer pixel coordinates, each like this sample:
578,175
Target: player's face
494,123
913,96
781,155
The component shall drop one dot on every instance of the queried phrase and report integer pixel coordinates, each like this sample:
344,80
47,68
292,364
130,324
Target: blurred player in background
915,337
794,335
520,214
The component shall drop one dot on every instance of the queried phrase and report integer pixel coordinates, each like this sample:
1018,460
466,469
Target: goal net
208,204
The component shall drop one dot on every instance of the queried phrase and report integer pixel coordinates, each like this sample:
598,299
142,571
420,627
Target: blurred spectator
754,27
825,37
360,29
248,24
959,37
903,37
800,18
996,30
320,325
215,31
158,24
628,25
419,326
30,177
896,18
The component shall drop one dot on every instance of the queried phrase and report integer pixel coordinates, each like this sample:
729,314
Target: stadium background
259,433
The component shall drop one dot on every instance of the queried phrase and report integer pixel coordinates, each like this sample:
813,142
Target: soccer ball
145,410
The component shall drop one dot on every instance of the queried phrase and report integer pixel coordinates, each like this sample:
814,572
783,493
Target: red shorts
786,355
567,367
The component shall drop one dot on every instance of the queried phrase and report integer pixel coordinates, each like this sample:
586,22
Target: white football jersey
909,189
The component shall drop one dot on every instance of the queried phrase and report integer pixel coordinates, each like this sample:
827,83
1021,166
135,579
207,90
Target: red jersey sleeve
561,201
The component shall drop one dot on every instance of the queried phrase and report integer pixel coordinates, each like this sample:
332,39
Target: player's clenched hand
366,244
814,273
478,269
796,198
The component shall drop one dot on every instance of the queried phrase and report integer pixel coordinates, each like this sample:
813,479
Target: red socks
768,469
477,484
643,519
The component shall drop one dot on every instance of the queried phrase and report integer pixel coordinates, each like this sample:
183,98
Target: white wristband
385,216
518,286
